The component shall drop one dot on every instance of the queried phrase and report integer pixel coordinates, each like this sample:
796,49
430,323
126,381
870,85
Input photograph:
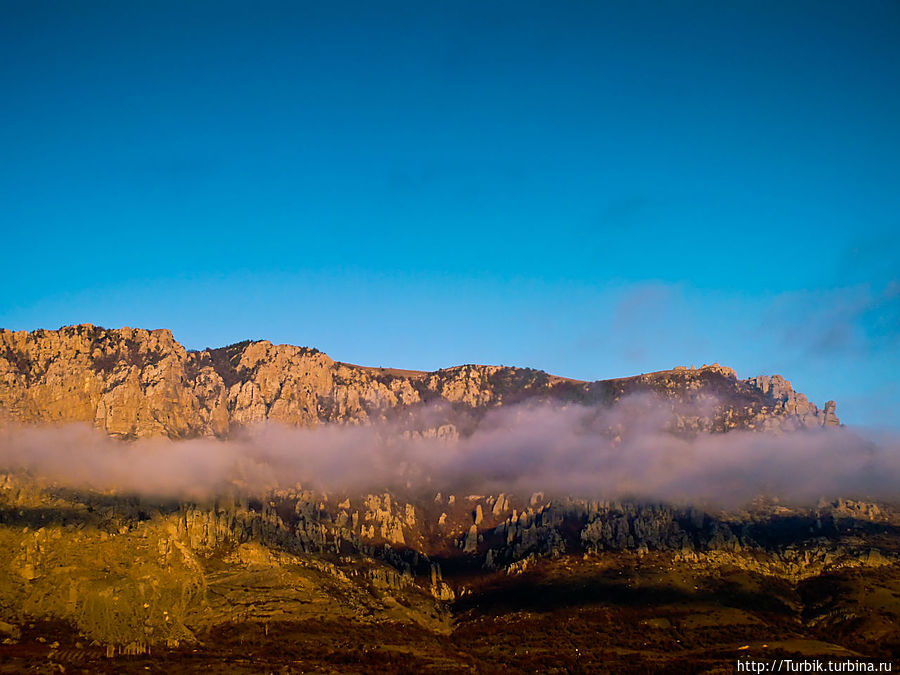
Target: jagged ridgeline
134,383
448,579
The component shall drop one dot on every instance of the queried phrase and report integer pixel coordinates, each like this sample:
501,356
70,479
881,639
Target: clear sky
595,189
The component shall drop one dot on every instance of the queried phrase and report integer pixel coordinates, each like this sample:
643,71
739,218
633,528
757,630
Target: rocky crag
130,574
135,383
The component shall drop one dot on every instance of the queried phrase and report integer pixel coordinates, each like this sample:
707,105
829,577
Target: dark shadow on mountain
536,593
110,517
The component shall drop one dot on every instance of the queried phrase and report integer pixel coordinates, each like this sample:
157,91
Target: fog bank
623,452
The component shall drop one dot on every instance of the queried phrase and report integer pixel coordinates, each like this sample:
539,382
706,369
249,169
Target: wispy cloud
857,320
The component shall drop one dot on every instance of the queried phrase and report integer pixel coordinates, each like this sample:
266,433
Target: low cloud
622,452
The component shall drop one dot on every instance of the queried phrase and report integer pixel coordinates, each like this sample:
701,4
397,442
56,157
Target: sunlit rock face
136,383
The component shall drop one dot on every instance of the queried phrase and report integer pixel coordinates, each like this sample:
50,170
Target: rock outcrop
135,383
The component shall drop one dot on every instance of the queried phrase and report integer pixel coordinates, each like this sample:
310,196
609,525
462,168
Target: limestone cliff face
136,383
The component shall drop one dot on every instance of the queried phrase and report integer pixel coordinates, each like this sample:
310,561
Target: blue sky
594,189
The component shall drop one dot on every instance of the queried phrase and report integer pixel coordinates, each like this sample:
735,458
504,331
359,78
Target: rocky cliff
135,383
130,574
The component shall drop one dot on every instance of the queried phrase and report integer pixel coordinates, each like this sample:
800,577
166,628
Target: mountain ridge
136,383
